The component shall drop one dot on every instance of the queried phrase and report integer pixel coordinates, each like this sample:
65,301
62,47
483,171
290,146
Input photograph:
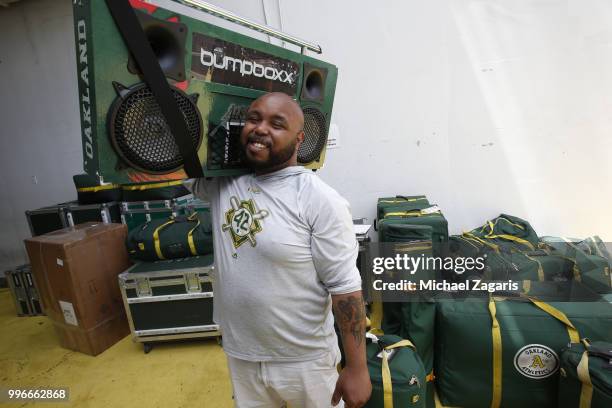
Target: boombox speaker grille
139,132
315,135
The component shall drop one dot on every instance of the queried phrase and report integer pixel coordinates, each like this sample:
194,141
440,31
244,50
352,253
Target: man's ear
300,137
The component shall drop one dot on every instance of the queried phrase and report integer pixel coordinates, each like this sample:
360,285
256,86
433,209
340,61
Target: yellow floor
172,375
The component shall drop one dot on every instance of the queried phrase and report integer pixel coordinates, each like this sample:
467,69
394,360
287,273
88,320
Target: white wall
39,120
485,106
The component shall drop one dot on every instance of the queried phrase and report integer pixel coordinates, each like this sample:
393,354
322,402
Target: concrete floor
172,375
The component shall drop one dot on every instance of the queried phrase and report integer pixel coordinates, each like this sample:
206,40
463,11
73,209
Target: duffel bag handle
586,391
156,242
192,248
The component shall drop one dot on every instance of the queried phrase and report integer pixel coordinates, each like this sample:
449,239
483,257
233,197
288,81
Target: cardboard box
75,270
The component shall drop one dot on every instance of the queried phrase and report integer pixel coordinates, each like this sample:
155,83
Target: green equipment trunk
174,237
503,352
137,218
136,213
405,379
413,221
399,203
400,230
178,202
585,378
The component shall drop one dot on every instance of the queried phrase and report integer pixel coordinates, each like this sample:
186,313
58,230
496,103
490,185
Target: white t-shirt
283,243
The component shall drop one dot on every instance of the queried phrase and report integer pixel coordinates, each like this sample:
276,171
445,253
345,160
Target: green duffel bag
534,265
510,261
399,203
396,371
585,378
170,238
504,352
90,191
595,246
163,190
592,267
507,230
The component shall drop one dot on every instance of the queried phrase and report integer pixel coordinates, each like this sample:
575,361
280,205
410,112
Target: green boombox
209,76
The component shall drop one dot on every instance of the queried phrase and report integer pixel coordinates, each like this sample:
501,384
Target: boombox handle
229,16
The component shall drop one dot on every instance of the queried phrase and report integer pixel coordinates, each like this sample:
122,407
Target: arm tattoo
351,317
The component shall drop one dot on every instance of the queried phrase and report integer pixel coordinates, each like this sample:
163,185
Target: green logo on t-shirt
242,221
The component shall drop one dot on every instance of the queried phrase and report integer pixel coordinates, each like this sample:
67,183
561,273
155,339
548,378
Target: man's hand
353,386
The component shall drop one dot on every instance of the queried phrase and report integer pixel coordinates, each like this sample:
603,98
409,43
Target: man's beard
273,159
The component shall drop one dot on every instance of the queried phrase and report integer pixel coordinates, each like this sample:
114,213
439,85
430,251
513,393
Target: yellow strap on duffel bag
192,247
497,340
402,200
508,237
142,187
376,317
156,242
586,392
95,189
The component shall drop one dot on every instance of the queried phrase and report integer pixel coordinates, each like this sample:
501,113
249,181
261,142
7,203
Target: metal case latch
143,287
192,282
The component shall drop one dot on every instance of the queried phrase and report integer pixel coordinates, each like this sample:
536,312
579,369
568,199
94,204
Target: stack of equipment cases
421,221
59,216
168,300
413,220
136,213
23,289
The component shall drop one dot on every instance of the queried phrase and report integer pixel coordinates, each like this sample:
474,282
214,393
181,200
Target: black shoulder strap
137,43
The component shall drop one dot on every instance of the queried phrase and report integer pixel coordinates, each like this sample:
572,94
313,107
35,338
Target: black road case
23,289
168,300
47,219
69,214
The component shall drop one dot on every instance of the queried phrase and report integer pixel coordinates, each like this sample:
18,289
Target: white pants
306,384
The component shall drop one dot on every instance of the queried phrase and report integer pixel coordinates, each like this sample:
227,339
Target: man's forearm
349,312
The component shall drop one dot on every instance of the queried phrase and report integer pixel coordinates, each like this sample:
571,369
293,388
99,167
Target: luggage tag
390,354
431,210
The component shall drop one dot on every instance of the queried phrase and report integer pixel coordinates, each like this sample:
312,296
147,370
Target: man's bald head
289,104
273,132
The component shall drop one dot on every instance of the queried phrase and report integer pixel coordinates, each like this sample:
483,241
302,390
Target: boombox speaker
180,112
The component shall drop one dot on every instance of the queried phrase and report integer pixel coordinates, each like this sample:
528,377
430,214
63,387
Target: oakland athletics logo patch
242,221
536,361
